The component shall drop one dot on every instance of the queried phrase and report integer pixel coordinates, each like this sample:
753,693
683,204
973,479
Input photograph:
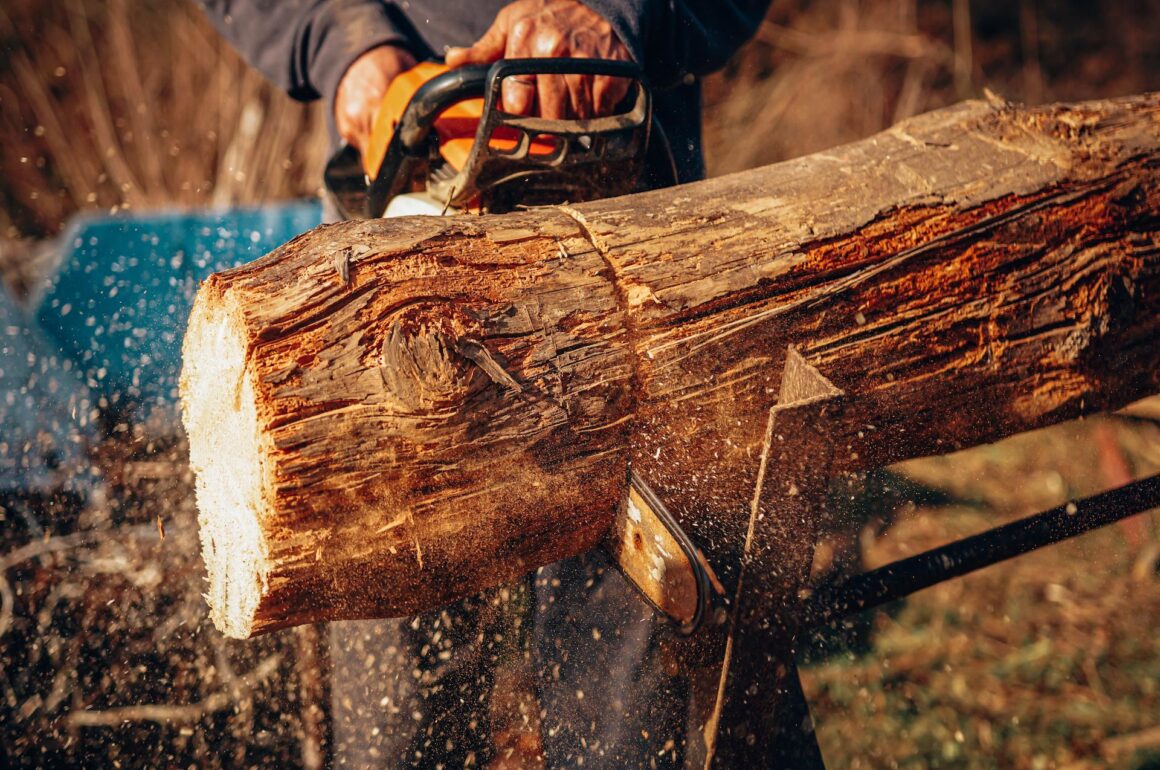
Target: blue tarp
45,411
119,304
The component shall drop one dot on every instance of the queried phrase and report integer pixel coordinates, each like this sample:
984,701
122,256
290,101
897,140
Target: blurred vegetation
823,72
1046,661
112,104
117,104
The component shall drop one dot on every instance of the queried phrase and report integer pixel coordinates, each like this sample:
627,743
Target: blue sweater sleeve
304,46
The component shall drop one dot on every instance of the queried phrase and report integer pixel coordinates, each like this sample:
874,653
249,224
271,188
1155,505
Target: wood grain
444,404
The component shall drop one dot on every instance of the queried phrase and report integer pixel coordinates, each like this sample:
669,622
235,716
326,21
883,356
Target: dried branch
1125,745
40,548
855,43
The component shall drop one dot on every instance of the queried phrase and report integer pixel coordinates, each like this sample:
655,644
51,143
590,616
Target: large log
387,415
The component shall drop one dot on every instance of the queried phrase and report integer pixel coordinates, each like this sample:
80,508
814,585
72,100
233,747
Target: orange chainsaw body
456,126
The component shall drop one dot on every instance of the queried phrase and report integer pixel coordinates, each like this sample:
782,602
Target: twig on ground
1122,745
43,547
173,713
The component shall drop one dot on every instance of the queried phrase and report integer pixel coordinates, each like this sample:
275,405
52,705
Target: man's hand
548,28
361,91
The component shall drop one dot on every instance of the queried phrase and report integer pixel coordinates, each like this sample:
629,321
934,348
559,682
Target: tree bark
388,415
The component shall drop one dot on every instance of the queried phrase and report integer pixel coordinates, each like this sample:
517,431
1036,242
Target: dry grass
133,104
1046,661
826,72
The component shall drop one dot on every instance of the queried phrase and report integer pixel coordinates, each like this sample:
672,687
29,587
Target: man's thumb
487,49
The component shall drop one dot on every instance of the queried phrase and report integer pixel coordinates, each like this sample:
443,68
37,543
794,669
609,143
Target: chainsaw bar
658,558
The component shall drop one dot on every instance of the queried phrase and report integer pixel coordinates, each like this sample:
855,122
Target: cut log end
221,419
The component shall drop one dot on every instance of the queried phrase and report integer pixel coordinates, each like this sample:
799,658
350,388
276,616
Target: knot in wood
419,361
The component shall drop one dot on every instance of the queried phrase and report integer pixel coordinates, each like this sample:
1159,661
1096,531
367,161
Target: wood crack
859,277
622,299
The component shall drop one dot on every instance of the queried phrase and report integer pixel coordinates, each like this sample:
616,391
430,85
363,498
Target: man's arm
346,51
349,50
304,46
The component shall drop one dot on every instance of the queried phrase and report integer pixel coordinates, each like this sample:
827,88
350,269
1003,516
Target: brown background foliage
135,104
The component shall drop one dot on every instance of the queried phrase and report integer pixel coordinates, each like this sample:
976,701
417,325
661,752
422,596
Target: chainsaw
441,145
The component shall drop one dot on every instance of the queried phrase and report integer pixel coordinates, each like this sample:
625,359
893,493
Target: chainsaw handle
586,147
441,92
410,143
505,68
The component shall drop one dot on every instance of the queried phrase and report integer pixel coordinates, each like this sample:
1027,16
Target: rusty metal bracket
761,718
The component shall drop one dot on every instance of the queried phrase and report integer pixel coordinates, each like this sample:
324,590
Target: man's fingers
519,94
607,93
487,49
457,57
580,95
361,89
552,94
550,28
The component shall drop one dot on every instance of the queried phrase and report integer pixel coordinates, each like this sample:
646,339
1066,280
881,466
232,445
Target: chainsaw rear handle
506,68
583,150
432,98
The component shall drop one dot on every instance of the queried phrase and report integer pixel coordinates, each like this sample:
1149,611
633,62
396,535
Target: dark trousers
422,692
